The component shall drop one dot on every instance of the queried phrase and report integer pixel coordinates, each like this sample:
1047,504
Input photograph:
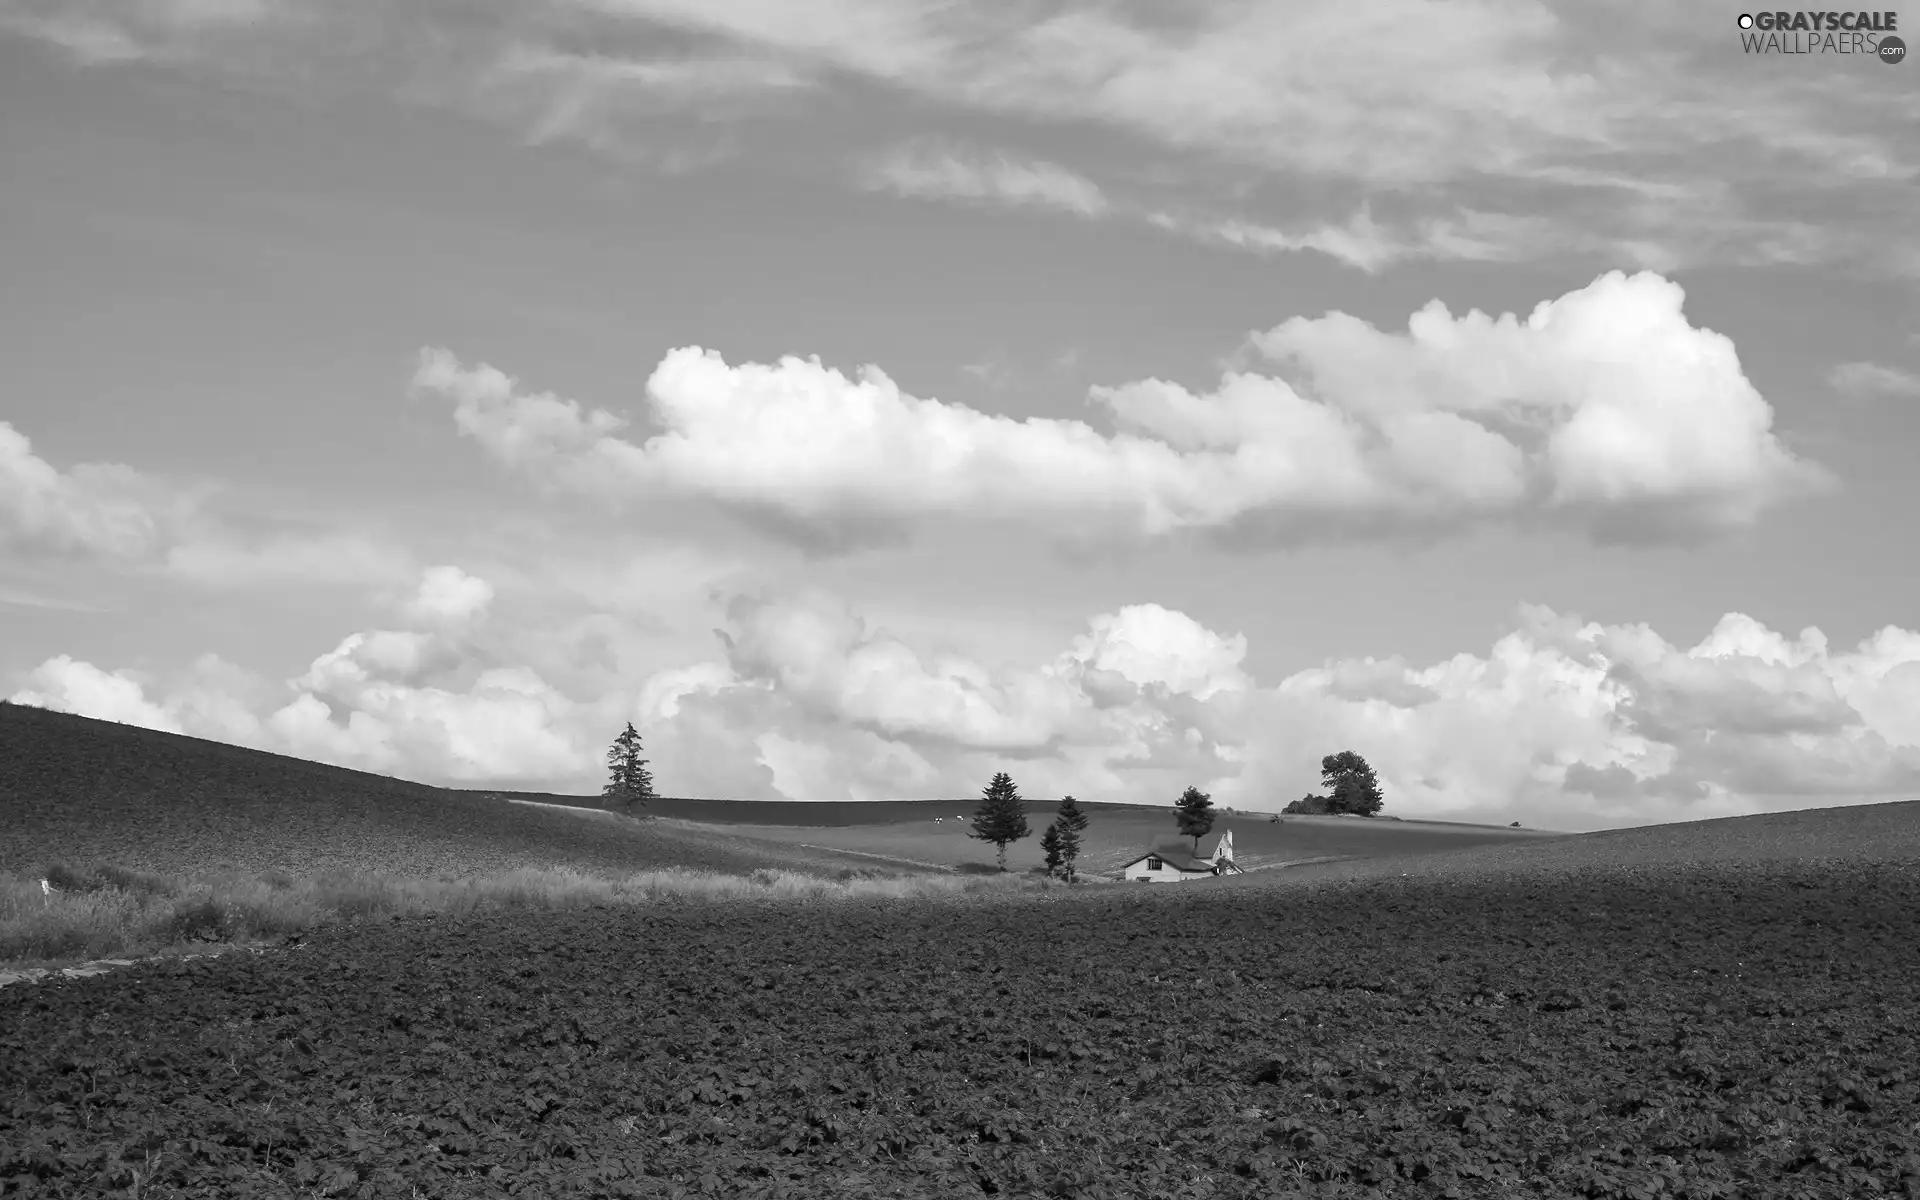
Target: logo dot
1892,49
1746,20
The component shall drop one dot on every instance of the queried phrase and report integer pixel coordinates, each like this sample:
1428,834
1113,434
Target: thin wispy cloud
113,513
947,173
608,102
1873,379
941,173
1465,101
1633,134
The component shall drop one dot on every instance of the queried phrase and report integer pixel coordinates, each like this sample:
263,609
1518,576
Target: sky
862,398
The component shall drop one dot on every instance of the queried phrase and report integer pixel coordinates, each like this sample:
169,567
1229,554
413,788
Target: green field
1115,837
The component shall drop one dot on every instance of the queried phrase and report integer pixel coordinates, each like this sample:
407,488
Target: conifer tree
1050,843
1193,813
629,782
1001,817
1072,823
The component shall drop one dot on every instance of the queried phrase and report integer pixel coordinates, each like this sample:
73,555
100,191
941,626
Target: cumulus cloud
418,704
69,685
1560,723
448,595
103,509
1605,410
528,431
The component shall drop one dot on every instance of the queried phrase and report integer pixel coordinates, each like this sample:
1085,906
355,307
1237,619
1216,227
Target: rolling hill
76,789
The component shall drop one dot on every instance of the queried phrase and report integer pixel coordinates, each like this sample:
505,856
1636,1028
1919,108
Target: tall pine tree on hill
629,782
1071,823
1001,817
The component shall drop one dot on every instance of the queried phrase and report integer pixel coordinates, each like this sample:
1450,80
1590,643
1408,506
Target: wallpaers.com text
1868,33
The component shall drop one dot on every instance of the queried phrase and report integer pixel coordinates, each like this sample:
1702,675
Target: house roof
1181,856
1180,859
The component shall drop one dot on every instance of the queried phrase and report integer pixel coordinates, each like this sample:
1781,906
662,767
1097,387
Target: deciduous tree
1350,784
1193,813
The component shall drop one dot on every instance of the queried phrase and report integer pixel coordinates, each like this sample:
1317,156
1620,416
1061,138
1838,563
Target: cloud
944,173
1638,138
102,509
1367,244
119,31
214,556
1872,379
1640,406
1641,139
1561,723
448,595
112,513
931,170
620,106
421,705
685,79
69,685
1604,410
525,431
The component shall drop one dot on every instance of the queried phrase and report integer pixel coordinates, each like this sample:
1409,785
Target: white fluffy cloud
94,508
1560,724
1604,409
114,513
69,685
416,704
448,595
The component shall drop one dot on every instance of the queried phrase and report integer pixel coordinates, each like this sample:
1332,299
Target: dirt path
100,966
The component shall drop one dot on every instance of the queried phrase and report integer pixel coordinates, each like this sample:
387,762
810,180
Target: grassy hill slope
811,814
75,789
1815,837
1116,836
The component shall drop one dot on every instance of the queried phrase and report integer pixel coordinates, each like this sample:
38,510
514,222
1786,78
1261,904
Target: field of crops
1748,1032
1117,836
1715,1009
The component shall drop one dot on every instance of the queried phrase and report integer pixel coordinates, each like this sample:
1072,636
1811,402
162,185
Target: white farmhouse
1176,864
